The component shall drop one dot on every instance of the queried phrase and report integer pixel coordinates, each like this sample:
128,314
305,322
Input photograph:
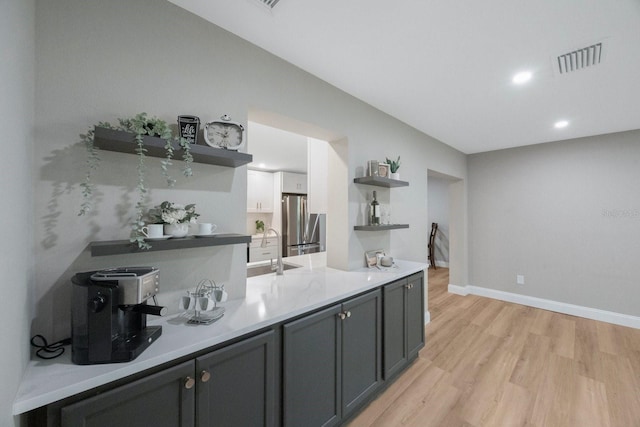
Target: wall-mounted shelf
379,181
116,247
124,142
380,227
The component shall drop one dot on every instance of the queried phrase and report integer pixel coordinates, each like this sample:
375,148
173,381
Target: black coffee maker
109,314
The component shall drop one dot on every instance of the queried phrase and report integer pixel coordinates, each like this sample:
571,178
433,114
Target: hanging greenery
140,125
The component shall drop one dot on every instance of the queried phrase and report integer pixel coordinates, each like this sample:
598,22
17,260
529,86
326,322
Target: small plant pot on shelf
395,175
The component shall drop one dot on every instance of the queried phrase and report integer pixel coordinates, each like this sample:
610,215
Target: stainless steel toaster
138,283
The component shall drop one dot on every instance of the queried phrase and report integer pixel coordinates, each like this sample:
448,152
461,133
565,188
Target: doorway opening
445,195
302,161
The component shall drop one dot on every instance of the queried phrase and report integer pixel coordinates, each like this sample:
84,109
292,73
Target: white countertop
269,300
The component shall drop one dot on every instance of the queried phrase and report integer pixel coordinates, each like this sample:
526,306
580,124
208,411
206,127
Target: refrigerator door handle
307,218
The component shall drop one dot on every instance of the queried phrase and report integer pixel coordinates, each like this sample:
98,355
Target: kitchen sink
260,269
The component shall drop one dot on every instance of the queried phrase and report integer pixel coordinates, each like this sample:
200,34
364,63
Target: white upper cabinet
259,191
294,183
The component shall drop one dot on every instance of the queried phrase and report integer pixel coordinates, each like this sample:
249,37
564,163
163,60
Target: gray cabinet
415,314
331,361
361,349
164,399
232,386
403,322
236,384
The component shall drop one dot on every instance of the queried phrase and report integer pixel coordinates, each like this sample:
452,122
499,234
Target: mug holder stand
206,288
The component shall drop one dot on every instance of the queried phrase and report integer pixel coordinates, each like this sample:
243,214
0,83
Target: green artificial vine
140,125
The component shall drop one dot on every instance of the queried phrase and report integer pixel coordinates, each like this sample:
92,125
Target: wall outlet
520,279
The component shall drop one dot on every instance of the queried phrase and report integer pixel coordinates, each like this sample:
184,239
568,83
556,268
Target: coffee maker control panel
138,284
149,286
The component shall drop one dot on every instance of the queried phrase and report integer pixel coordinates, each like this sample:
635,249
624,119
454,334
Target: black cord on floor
46,350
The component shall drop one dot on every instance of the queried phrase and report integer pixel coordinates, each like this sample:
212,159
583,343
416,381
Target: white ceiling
267,145
445,67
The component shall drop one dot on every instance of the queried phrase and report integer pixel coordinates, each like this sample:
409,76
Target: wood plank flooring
493,363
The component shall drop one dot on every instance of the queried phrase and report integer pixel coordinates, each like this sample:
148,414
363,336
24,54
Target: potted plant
139,125
175,217
394,165
259,226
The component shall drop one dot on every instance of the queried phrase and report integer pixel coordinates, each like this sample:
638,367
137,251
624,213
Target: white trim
458,290
427,317
546,304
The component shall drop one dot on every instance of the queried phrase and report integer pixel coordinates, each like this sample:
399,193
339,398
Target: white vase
176,230
395,175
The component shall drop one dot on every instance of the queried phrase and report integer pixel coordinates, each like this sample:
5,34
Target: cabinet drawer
262,254
271,241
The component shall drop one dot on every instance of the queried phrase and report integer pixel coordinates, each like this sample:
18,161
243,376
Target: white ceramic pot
395,175
176,230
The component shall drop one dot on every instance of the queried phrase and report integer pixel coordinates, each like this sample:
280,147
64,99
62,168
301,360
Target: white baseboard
443,264
560,307
459,290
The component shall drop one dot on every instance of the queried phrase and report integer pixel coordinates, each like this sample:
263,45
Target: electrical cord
46,350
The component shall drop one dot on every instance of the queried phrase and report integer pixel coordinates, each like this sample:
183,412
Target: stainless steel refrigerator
302,231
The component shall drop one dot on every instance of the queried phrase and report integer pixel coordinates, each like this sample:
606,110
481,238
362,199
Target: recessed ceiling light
522,77
561,124
262,165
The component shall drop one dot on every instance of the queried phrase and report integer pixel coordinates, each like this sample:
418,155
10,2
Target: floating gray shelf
116,247
379,181
380,227
124,142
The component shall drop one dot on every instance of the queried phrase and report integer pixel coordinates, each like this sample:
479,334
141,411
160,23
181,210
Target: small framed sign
371,257
383,170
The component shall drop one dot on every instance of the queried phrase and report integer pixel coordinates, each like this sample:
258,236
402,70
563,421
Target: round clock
224,133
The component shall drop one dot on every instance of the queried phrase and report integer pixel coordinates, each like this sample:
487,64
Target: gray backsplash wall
100,60
566,215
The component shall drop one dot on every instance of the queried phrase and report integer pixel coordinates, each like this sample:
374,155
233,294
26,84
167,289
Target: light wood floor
492,363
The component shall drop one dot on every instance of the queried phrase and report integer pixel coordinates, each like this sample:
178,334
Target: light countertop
269,300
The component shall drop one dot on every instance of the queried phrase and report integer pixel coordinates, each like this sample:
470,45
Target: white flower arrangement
173,213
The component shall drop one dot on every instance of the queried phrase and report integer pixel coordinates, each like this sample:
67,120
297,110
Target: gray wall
566,215
100,60
17,39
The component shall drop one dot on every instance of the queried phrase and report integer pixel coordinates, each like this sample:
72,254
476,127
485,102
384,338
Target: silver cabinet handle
189,383
205,376
342,316
348,314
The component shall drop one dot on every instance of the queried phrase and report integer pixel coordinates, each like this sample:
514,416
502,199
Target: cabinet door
311,383
259,191
294,183
361,349
415,314
395,328
159,400
236,384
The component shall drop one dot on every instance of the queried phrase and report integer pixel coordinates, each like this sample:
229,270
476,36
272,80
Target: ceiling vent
268,3
579,59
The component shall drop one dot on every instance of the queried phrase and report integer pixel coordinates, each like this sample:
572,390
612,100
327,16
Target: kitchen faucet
279,266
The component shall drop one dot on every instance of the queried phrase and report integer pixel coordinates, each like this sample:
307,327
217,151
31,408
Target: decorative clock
224,133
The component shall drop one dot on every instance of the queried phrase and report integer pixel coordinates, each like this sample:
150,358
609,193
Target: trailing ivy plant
140,125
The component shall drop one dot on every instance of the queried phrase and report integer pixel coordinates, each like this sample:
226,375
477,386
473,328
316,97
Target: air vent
269,3
579,59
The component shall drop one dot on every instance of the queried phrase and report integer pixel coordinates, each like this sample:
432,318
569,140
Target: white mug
153,230
205,228
187,303
220,295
